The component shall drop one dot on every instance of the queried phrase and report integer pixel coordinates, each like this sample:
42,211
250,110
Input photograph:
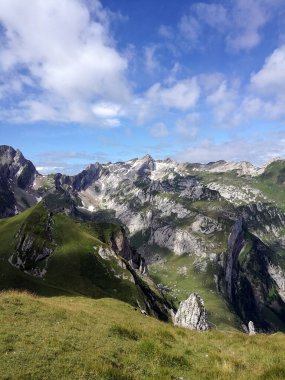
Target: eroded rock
192,314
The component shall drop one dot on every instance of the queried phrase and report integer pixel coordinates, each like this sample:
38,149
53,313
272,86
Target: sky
87,80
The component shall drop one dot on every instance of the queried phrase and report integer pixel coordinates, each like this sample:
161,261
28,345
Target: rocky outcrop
153,301
278,275
178,240
251,328
235,243
16,178
121,246
192,314
34,243
251,283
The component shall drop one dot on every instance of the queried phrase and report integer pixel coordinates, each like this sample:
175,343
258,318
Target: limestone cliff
192,314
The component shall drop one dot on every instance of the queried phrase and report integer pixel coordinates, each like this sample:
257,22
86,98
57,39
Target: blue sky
84,81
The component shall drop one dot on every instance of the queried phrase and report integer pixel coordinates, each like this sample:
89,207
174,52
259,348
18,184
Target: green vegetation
272,183
75,267
180,275
44,338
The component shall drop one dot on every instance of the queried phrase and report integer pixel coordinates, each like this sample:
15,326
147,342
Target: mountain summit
213,229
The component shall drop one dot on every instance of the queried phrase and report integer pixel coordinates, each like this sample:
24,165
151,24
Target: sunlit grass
80,338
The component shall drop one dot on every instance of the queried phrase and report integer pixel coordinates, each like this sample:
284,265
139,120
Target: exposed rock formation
235,244
278,275
192,314
34,243
121,246
251,328
16,179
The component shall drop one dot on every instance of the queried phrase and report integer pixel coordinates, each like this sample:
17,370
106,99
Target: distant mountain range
216,229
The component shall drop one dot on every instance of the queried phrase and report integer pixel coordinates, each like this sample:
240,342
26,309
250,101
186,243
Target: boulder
192,314
251,328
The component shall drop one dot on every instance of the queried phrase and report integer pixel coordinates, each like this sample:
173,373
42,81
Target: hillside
55,255
73,337
216,229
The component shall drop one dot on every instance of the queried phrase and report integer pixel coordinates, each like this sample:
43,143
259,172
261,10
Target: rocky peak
14,166
89,175
192,314
144,165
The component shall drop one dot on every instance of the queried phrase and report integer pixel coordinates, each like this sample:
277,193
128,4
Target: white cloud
225,105
215,15
159,130
248,19
253,150
188,126
182,95
106,110
270,80
77,63
240,22
266,93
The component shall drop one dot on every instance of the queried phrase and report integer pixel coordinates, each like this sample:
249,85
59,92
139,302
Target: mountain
16,182
52,254
216,229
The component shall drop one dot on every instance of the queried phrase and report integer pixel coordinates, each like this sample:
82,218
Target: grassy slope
182,284
75,266
79,338
272,183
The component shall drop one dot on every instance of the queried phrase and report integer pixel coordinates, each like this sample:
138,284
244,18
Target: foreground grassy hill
74,267
74,264
73,337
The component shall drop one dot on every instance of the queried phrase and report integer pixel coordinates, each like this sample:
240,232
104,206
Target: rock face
34,243
192,314
235,244
121,246
16,179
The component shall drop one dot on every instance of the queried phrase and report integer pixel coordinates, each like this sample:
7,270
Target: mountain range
150,232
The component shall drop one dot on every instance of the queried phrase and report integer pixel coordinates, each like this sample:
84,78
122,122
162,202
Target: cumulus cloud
75,65
270,80
182,95
225,103
178,95
266,94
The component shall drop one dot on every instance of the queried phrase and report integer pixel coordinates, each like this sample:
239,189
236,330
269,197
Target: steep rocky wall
121,246
34,243
249,286
235,243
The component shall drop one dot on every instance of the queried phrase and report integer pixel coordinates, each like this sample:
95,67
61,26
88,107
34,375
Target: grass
71,338
75,266
182,284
